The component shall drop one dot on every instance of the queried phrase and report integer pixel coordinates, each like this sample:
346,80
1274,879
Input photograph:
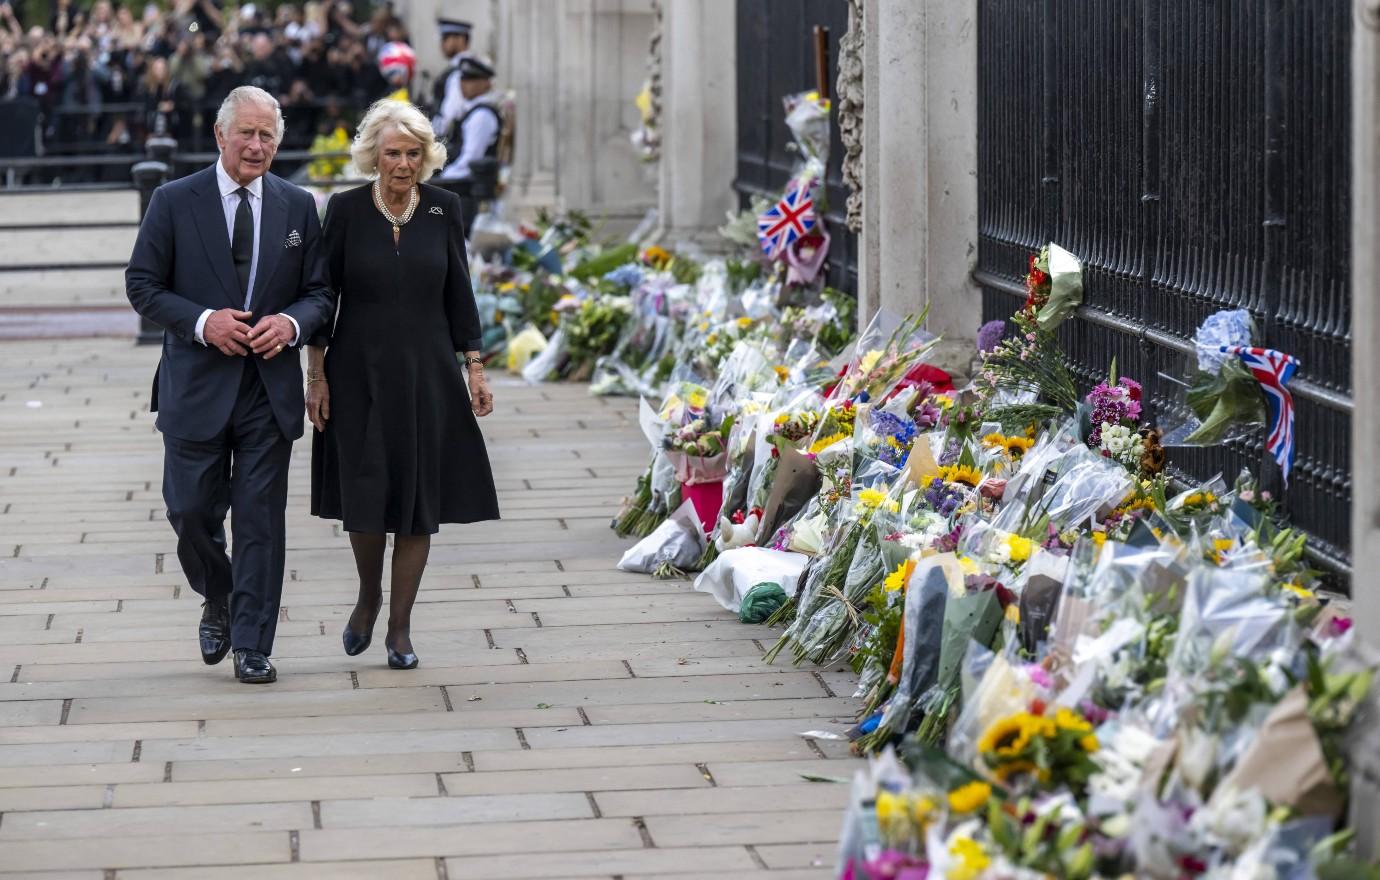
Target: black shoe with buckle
252,667
214,631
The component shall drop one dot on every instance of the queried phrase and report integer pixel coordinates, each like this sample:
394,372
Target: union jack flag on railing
1273,370
788,219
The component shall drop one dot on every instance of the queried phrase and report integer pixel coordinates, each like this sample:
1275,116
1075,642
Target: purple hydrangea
989,335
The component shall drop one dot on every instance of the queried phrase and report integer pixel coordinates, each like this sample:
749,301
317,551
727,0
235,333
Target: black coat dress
402,451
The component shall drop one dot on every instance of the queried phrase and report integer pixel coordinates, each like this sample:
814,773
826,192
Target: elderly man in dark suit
227,263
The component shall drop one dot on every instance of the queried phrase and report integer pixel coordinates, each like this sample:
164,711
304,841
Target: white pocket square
294,239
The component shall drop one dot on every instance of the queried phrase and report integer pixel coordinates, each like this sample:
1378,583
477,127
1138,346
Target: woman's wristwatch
471,361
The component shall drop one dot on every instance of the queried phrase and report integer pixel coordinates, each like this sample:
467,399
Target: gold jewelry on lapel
398,222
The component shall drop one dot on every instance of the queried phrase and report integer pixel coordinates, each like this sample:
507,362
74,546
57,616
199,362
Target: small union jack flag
1273,370
788,219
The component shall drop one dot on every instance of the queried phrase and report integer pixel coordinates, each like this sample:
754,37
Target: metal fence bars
776,59
1196,157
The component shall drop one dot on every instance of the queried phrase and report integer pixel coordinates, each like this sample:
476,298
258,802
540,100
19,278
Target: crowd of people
108,76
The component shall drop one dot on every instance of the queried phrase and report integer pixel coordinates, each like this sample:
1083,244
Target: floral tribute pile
1069,665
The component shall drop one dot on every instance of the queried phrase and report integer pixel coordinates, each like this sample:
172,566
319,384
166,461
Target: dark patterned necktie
242,240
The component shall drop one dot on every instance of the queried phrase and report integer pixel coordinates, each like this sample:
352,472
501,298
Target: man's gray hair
240,96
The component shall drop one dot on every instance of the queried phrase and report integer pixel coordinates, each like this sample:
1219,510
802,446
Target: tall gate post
1365,422
699,119
920,167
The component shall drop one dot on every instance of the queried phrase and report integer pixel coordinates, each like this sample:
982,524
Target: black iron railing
1196,157
776,59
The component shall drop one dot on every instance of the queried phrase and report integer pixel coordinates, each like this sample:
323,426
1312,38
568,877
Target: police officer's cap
451,27
473,68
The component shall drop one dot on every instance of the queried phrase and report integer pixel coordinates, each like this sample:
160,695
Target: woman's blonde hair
389,114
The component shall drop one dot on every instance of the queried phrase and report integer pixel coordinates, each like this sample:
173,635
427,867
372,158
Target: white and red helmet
397,62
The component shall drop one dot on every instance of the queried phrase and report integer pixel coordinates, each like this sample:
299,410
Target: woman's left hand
481,398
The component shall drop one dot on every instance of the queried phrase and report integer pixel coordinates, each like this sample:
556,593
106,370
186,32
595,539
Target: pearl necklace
398,222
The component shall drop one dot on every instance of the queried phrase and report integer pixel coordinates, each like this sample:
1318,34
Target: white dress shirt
452,103
230,202
478,132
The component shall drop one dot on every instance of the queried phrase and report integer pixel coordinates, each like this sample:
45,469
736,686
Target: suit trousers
243,470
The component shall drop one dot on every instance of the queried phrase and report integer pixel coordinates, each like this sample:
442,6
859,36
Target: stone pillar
699,120
527,55
920,166
1365,374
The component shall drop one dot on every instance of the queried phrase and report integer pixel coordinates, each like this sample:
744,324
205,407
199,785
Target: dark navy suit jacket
182,266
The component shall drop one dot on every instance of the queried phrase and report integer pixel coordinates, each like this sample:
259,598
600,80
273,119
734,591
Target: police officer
446,98
473,170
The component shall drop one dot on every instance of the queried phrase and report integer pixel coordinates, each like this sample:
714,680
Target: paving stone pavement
568,720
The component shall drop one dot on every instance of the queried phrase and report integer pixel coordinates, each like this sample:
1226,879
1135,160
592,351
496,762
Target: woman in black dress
397,448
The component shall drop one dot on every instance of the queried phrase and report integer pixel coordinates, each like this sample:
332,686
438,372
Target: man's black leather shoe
252,667
214,631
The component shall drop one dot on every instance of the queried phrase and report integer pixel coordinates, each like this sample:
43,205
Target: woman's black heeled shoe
356,644
398,660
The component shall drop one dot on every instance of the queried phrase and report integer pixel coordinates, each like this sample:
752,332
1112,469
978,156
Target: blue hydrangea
628,275
1227,327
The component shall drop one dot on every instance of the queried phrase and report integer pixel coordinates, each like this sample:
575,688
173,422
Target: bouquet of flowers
1054,287
1223,398
886,351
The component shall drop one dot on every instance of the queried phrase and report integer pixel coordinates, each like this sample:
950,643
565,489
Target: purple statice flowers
1117,404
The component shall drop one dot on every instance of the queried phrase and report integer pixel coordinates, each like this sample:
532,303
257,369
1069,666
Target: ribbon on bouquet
1273,370
789,219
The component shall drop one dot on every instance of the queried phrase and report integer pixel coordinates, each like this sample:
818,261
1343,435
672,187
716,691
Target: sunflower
962,474
1067,719
970,797
1001,738
1089,743
1017,446
1017,768
993,441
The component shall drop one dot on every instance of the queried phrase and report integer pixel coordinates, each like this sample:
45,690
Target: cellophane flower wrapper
886,351
747,370
1222,400
1226,614
545,364
1026,486
742,440
1066,289
646,337
930,587
1088,486
828,631
807,117
884,432
824,583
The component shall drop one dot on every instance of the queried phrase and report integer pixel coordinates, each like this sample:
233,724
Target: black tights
409,561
